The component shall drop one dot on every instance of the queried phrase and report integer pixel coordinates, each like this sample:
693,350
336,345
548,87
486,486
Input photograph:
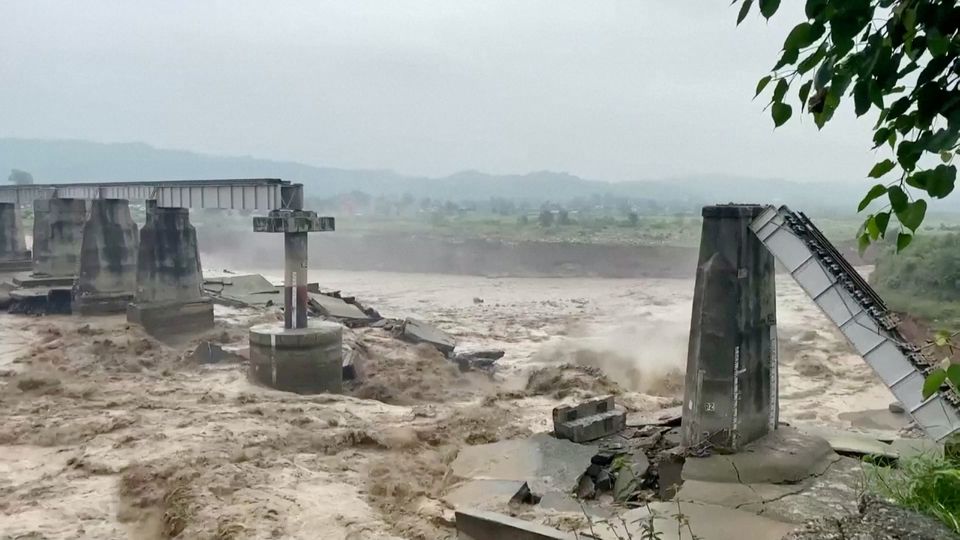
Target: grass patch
927,484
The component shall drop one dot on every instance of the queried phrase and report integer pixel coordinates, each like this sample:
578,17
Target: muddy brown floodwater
106,433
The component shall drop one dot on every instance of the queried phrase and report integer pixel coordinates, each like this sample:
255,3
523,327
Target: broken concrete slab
849,443
630,476
484,494
482,525
883,420
417,331
250,290
670,472
912,448
472,358
588,421
336,308
749,497
545,463
832,493
783,456
707,522
664,417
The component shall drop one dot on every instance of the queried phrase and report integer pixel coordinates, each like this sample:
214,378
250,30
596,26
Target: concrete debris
670,472
630,477
784,456
417,331
852,444
482,525
211,353
665,417
588,421
331,307
896,407
250,290
477,300
41,301
488,494
877,520
469,359
586,489
545,463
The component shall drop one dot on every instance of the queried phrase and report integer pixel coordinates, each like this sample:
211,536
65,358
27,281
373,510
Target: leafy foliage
897,58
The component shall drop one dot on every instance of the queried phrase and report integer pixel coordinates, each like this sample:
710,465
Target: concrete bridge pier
731,381
57,237
108,259
14,255
168,299
299,355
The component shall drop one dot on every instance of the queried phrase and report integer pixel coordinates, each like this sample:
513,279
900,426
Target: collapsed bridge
89,255
731,382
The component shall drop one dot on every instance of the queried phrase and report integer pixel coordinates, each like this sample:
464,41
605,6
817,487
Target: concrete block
172,318
482,525
589,421
420,332
303,360
168,261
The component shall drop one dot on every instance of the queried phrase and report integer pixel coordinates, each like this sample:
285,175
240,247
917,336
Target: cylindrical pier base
303,360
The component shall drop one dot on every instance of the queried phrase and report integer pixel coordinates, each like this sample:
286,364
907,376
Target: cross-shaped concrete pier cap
294,222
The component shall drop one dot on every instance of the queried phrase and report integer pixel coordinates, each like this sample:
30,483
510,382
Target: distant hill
54,161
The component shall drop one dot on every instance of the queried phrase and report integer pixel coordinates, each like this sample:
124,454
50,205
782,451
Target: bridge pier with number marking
299,355
730,396
169,298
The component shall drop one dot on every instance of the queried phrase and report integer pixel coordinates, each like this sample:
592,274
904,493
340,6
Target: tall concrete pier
168,298
58,235
731,381
108,259
14,254
297,356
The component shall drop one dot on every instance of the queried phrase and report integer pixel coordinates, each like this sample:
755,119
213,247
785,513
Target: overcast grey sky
614,90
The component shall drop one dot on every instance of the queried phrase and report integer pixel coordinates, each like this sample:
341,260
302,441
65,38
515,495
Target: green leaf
872,228
762,83
941,338
874,193
861,96
881,169
946,156
823,75
898,107
804,93
880,136
780,90
814,8
811,61
941,181
912,217
882,219
802,35
937,43
908,153
863,242
953,373
781,112
769,7
933,382
898,198
744,10
903,240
